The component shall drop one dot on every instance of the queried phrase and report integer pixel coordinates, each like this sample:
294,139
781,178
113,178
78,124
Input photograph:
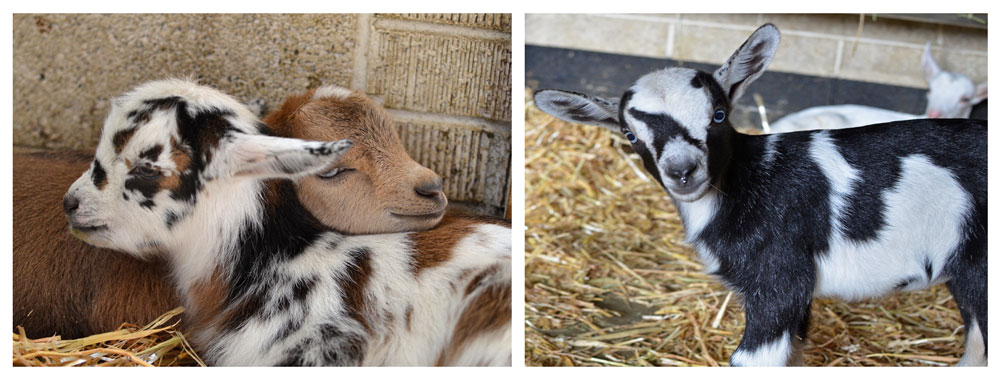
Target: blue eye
719,116
631,137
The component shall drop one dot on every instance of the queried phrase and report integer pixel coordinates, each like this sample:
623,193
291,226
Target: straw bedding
609,280
157,344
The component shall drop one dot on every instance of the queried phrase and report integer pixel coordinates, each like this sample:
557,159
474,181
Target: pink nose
933,114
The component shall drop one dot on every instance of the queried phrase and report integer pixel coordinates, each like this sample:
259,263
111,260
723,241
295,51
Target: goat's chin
690,196
418,222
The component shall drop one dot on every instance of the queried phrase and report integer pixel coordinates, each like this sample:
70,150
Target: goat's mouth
87,229
407,216
690,193
86,233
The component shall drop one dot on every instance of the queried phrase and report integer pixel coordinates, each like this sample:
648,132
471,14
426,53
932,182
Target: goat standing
781,218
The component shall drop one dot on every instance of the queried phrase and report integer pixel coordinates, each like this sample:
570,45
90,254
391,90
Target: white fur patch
837,117
841,175
770,148
975,347
854,271
776,353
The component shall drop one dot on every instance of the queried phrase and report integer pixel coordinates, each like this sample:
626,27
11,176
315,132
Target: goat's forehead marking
677,94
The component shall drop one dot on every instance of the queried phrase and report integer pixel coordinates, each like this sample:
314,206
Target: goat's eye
146,171
719,117
630,136
964,99
332,173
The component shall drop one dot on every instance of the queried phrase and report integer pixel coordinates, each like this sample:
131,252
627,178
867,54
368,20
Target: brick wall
444,77
887,50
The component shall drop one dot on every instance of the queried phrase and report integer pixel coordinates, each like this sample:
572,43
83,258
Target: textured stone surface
886,64
499,22
812,44
898,31
805,55
963,39
707,44
66,67
623,34
827,24
739,19
429,72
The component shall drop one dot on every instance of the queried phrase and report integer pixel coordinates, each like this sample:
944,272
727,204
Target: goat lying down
949,95
185,172
62,286
782,218
65,287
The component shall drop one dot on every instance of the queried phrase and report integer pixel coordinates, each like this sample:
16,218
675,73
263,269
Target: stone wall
881,50
444,77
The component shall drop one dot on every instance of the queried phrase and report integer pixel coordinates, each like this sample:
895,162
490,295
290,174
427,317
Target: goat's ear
579,108
260,156
931,68
748,62
980,93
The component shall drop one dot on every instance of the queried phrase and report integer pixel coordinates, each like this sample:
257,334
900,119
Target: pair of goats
269,269
782,218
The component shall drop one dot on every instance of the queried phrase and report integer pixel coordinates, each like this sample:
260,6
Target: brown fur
490,310
61,285
207,297
181,160
381,166
355,288
435,245
122,138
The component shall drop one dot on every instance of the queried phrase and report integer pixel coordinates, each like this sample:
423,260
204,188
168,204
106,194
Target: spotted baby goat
187,172
850,213
950,95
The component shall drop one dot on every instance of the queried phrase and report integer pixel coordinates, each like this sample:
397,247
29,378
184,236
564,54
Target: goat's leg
776,326
968,287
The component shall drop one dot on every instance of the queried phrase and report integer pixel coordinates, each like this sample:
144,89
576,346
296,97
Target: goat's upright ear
931,68
748,62
981,94
260,156
579,108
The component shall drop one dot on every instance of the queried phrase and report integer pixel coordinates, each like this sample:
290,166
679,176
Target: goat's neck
731,156
239,231
206,238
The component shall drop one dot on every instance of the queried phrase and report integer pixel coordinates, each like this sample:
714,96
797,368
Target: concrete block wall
445,78
886,51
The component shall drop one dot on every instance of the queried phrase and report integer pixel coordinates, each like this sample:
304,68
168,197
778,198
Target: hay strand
155,344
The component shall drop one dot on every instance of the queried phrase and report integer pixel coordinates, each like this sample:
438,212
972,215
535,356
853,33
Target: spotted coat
189,174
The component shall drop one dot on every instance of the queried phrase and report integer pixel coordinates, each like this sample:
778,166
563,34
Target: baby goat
781,218
62,286
949,95
187,172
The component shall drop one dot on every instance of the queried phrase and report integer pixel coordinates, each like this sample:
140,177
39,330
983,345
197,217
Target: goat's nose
70,203
682,173
429,189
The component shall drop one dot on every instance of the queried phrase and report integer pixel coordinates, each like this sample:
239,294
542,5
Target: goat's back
959,145
61,285
837,117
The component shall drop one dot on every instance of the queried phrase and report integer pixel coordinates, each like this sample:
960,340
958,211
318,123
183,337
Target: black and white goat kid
852,213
